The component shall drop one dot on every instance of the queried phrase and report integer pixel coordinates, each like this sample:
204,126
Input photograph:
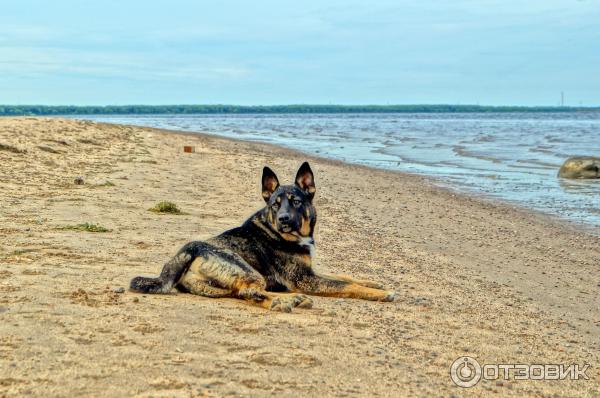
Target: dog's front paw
390,296
281,305
371,284
289,302
303,301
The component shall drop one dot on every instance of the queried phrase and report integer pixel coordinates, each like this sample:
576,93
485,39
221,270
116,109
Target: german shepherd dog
267,260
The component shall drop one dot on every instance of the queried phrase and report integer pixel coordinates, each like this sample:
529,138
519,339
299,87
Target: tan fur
201,286
218,269
305,227
363,282
354,290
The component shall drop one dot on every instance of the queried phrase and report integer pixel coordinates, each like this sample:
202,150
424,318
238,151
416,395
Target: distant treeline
41,110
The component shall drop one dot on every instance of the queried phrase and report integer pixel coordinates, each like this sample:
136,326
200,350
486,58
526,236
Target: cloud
40,62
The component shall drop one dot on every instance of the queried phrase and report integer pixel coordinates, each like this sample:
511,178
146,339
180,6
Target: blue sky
289,52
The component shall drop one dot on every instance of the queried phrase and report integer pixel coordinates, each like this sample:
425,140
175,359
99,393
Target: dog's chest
290,267
308,243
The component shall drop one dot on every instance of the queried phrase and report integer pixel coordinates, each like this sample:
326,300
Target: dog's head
290,211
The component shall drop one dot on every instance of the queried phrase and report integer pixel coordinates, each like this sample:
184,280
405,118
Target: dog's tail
171,273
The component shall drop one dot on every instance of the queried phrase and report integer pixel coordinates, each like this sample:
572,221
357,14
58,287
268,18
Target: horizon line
138,109
304,104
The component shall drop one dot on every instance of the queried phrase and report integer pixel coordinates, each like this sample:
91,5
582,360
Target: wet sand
473,277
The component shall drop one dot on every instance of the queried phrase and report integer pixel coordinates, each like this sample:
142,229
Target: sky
258,52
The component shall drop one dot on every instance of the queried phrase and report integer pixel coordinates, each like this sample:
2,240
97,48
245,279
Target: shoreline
486,280
432,182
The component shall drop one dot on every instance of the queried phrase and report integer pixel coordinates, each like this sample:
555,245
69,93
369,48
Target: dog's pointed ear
269,183
305,179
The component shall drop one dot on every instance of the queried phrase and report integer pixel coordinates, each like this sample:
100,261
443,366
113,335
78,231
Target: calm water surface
514,157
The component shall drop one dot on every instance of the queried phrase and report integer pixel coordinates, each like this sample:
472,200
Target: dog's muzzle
285,228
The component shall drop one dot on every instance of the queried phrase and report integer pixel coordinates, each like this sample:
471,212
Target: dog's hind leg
231,274
196,284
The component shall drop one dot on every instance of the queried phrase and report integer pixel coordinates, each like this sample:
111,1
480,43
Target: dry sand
473,277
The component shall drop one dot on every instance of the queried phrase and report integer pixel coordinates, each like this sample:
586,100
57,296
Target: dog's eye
297,203
275,206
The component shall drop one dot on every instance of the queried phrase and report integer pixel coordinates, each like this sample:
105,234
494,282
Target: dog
268,260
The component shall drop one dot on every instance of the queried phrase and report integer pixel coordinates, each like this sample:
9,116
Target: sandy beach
473,277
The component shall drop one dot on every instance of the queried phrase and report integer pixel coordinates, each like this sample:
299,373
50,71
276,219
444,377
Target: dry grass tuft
85,227
165,207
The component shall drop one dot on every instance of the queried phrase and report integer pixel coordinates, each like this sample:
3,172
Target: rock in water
580,167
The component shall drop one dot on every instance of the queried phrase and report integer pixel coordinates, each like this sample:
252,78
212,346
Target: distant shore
64,110
474,278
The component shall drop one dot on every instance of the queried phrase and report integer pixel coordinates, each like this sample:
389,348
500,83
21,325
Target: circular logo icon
465,372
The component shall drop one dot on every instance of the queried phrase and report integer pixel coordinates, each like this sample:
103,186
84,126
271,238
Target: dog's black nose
285,217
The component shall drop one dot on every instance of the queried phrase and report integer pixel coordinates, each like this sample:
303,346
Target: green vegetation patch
85,227
165,207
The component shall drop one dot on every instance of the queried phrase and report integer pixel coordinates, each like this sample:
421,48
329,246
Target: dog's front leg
363,282
320,285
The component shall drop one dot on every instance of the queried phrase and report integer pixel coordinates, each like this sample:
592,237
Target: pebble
78,180
136,300
119,290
